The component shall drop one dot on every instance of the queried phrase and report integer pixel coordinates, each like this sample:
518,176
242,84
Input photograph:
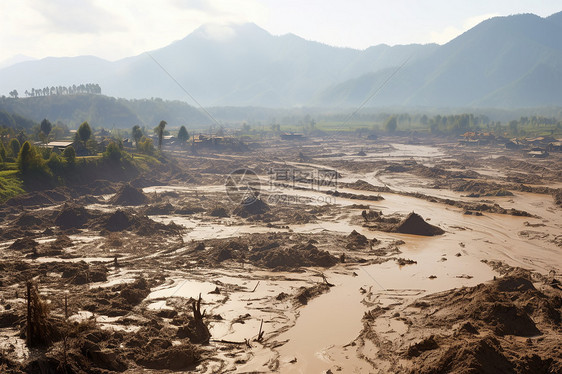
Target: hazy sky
113,29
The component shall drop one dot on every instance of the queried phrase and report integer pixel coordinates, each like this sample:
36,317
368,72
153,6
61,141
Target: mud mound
118,221
58,195
269,251
427,344
117,300
35,199
72,217
159,209
306,293
294,257
80,272
482,329
135,292
251,207
347,195
224,254
61,242
481,188
371,215
300,218
23,244
481,356
180,357
229,250
87,200
362,185
505,318
356,240
219,212
188,209
129,196
101,187
122,220
504,306
28,221
415,224
396,168
518,282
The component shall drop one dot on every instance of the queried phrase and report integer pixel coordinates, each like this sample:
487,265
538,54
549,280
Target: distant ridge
504,62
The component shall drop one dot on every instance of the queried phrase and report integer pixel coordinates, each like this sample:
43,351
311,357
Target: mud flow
310,256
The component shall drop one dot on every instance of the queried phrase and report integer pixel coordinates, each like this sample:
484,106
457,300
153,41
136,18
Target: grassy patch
145,162
10,184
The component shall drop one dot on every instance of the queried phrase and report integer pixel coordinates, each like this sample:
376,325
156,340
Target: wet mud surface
404,258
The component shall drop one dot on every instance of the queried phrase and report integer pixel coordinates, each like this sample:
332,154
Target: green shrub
146,146
69,155
112,152
55,164
2,152
30,162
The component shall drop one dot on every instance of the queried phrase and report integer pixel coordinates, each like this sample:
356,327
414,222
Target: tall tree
84,132
2,151
136,134
159,130
46,127
27,158
15,146
183,135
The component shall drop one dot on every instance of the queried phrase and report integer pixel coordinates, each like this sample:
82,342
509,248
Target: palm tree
159,130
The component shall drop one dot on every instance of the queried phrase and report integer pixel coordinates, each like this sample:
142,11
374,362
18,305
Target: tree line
88,88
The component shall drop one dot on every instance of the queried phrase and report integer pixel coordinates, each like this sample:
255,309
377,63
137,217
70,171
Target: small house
59,145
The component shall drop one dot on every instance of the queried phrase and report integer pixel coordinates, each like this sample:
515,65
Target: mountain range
503,62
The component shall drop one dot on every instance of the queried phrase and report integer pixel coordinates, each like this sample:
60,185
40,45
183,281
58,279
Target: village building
59,145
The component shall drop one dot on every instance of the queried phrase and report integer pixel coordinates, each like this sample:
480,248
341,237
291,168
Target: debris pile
356,240
293,257
489,327
122,220
23,244
415,224
250,207
72,217
129,196
411,224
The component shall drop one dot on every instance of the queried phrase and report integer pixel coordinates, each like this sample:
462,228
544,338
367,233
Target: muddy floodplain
320,255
